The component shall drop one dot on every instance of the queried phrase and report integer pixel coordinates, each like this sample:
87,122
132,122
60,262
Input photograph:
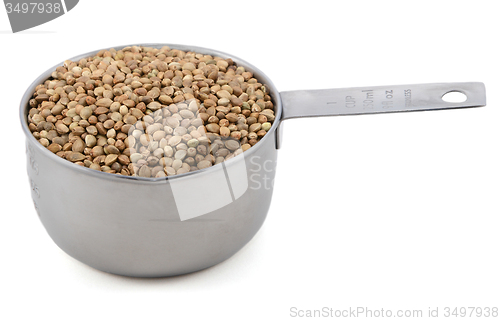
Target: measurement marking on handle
331,102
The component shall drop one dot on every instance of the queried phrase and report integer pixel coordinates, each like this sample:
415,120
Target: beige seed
269,114
213,128
86,112
166,161
57,109
104,102
154,105
174,140
144,171
160,174
54,148
123,110
130,119
180,154
188,66
95,166
255,127
169,151
223,102
225,132
116,116
111,149
123,159
145,139
158,135
101,111
135,157
44,141
78,145
232,144
173,122
182,171
169,171
62,129
75,157
186,114
111,133
97,151
164,99
176,164
90,141
223,94
107,79
110,159
204,164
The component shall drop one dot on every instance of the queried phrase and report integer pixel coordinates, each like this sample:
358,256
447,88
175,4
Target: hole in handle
454,96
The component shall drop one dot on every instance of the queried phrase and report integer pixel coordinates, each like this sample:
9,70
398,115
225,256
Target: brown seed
223,94
261,133
129,119
57,109
129,103
232,117
62,129
101,110
86,112
235,101
103,102
213,128
108,124
224,131
90,141
255,127
78,130
232,144
166,100
154,105
100,129
92,130
54,148
95,166
97,151
111,149
269,114
78,145
75,157
110,159
123,159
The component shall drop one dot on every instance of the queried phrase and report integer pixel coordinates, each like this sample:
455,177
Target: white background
396,211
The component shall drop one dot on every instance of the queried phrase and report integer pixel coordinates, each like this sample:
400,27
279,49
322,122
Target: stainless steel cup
156,227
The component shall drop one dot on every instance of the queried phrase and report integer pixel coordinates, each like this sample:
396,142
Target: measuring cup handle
380,99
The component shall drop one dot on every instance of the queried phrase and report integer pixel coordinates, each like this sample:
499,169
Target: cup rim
23,111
